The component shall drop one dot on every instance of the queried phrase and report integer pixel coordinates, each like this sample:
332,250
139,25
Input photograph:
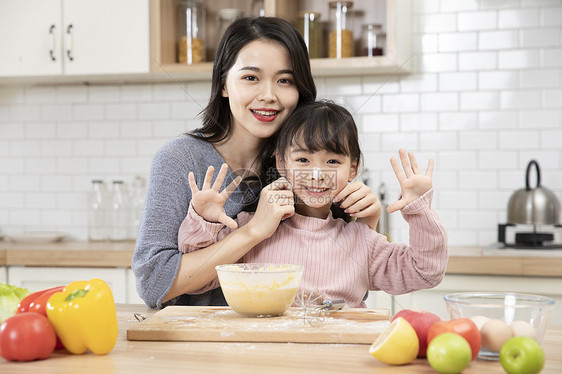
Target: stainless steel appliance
533,216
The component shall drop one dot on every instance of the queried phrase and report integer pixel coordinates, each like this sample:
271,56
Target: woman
261,73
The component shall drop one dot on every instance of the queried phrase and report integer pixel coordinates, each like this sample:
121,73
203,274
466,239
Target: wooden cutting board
206,323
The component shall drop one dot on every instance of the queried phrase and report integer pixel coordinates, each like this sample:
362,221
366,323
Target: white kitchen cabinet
432,299
132,295
40,278
74,37
3,276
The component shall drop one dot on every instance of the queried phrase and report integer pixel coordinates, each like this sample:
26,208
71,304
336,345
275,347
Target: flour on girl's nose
316,173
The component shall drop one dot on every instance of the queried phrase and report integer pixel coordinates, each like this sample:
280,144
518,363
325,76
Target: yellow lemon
397,345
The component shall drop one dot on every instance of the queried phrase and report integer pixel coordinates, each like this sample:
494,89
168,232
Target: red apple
465,327
421,321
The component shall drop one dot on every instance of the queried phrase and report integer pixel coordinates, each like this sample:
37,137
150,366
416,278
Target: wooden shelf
396,59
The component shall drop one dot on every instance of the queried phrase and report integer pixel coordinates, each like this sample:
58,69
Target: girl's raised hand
413,183
360,201
209,201
276,204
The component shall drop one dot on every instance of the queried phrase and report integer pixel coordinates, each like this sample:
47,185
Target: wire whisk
313,307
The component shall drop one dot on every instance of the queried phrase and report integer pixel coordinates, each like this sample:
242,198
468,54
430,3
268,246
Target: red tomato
462,326
27,337
27,301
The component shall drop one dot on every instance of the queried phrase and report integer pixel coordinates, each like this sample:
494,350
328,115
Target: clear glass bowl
260,290
505,306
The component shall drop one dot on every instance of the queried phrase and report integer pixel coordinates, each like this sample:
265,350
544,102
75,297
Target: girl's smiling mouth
316,189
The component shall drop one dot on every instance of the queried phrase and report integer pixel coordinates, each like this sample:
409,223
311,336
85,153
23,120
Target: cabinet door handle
53,43
69,42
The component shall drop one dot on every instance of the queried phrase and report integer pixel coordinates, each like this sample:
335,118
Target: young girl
261,73
318,156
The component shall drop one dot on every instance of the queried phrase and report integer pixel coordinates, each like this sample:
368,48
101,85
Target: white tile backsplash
540,38
495,80
480,21
518,18
498,40
519,140
456,82
458,41
519,59
436,23
484,98
482,60
552,16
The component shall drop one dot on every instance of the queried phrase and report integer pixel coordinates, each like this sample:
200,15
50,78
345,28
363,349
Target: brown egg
494,333
523,328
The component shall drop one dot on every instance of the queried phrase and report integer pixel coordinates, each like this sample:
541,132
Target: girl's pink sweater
341,260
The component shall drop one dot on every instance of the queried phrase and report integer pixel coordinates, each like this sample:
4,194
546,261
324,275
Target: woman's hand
413,183
360,201
276,204
209,202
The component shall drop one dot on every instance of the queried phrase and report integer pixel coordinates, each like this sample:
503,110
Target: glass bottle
225,18
191,32
341,35
372,40
97,220
138,196
383,226
120,218
309,26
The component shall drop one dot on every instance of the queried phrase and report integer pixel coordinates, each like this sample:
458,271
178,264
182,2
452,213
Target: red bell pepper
28,303
37,303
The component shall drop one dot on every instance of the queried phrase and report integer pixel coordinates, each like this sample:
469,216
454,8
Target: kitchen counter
216,357
67,254
515,262
462,260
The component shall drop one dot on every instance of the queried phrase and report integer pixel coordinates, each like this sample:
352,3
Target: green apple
521,355
449,353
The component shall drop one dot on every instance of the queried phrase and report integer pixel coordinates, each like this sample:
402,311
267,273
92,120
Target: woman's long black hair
217,121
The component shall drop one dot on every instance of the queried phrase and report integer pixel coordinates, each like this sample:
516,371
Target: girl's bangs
316,136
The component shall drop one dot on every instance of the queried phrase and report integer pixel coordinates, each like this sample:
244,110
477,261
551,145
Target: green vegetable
10,297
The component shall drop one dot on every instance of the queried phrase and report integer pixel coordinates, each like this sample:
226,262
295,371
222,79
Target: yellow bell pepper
84,317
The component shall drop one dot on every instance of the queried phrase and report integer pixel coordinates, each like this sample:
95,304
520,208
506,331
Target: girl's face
260,88
316,178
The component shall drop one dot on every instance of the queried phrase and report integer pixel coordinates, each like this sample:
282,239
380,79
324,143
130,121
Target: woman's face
260,88
316,177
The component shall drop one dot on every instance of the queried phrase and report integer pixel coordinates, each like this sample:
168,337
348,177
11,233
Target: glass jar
372,40
258,8
191,32
225,18
309,26
341,34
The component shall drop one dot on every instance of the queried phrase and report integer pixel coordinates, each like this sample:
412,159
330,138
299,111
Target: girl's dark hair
217,122
322,125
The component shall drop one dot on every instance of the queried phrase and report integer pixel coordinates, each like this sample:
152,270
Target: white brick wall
484,99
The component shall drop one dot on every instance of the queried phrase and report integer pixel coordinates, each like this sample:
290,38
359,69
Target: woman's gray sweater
156,259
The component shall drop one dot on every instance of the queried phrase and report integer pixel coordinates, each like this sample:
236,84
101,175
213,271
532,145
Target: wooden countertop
67,254
462,260
217,357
